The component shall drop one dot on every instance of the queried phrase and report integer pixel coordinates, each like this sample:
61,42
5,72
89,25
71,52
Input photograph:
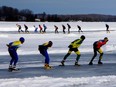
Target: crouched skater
12,49
74,47
97,48
43,50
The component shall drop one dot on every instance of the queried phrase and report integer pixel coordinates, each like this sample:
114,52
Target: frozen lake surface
31,63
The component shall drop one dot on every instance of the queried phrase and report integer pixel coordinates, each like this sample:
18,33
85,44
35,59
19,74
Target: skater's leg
65,57
95,54
100,57
78,57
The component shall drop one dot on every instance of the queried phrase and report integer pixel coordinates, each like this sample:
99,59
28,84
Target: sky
64,6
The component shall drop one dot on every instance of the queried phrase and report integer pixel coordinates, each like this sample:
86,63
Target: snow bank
44,81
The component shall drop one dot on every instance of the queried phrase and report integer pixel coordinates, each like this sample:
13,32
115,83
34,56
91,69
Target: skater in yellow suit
74,47
43,50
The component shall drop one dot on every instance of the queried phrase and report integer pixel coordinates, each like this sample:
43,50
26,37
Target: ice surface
31,62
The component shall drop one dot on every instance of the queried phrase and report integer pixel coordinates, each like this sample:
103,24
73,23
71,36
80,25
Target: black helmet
22,39
50,43
82,37
106,38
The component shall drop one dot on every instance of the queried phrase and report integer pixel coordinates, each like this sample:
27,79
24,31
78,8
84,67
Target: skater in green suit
74,47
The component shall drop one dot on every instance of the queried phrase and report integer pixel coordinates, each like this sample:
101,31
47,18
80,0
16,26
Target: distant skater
19,28
12,49
35,29
45,27
107,28
74,47
43,50
97,48
63,29
56,29
26,28
79,29
41,29
68,28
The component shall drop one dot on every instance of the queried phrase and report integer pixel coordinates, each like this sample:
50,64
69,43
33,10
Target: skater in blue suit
43,50
12,49
45,27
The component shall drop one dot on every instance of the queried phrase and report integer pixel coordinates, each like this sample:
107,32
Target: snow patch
44,81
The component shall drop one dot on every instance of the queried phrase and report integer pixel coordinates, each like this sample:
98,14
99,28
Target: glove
8,45
70,46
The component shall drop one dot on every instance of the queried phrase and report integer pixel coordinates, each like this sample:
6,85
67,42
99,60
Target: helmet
106,38
82,37
22,39
50,43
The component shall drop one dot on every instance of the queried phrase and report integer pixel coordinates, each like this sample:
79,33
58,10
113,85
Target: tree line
13,14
